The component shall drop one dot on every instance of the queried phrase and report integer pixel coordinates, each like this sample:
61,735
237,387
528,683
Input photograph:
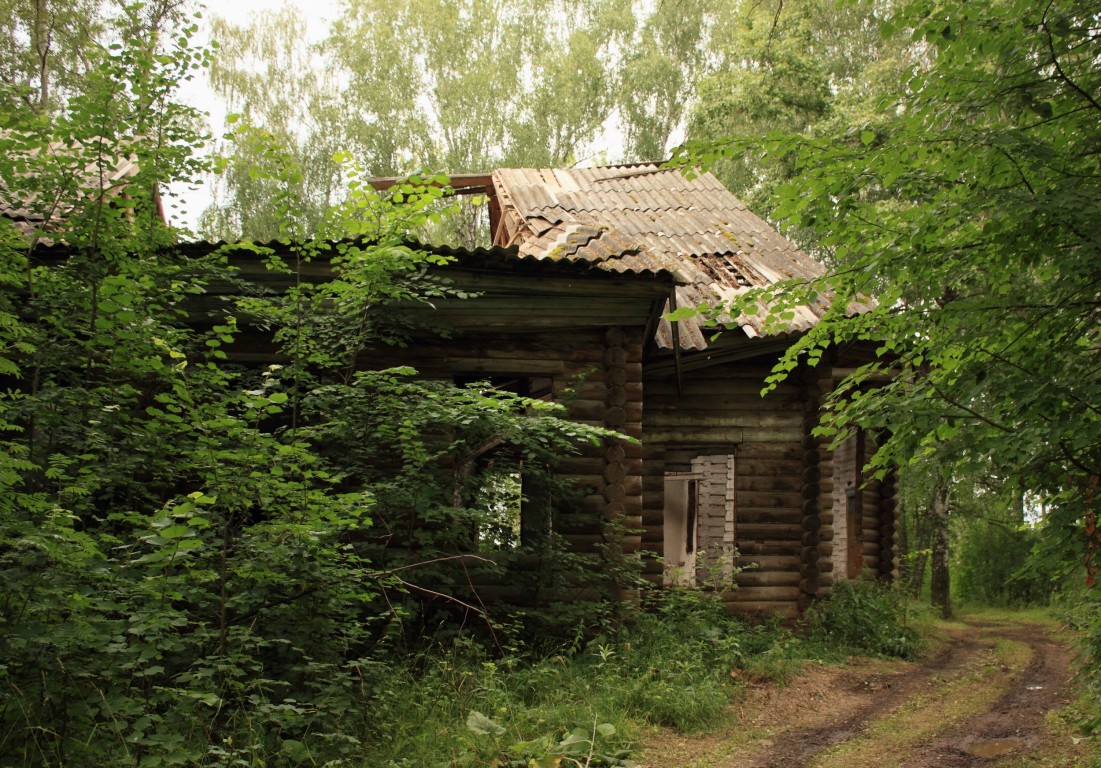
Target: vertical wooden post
888,527
810,393
620,541
855,512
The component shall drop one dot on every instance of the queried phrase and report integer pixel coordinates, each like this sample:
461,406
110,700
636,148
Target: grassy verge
676,665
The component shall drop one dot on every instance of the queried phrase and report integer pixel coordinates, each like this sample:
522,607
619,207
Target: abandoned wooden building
722,482
719,485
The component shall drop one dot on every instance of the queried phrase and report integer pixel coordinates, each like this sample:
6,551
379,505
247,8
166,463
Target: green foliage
1001,565
282,108
46,51
581,746
959,221
1006,247
540,86
534,91
659,76
809,67
1078,610
194,562
863,617
670,665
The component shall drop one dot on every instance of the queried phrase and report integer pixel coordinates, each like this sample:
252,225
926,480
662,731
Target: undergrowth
584,702
864,617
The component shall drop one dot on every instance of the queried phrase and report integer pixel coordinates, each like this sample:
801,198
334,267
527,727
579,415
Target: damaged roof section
92,169
643,218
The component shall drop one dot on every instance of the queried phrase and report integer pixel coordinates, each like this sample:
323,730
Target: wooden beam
462,183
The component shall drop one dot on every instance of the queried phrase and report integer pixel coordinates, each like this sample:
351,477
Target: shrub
863,616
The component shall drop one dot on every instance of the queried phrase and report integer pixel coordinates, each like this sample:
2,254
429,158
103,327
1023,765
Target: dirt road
982,699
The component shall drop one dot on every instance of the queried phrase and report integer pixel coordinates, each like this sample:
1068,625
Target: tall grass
463,705
459,704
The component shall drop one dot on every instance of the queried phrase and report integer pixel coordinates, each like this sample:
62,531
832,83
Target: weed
863,617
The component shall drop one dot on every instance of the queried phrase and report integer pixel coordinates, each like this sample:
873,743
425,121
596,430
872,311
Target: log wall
597,374
792,515
721,411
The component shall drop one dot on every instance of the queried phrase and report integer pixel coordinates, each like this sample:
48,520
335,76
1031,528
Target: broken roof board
645,218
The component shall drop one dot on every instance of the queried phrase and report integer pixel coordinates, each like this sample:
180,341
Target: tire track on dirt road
985,695
1015,723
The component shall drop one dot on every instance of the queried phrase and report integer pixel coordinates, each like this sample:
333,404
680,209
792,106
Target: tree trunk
1093,533
920,552
905,566
42,50
938,521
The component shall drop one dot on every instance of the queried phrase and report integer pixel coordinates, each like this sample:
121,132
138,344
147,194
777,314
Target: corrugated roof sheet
639,219
92,175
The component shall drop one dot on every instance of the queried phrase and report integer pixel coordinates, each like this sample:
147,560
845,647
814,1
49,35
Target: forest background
938,158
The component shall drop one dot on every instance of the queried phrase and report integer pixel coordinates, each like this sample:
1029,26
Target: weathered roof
643,218
89,174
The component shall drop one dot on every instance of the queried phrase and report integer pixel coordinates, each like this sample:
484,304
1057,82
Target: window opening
700,527
513,507
500,496
848,507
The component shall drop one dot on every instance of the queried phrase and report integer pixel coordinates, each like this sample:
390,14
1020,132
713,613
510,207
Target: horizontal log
721,419
586,410
751,450
584,543
708,405
695,435
532,313
769,562
590,386
765,484
576,466
766,468
755,578
574,350
734,382
786,517
763,532
770,499
772,435
752,547
777,593
595,482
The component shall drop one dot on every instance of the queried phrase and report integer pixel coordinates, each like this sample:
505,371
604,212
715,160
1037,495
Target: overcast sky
186,203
